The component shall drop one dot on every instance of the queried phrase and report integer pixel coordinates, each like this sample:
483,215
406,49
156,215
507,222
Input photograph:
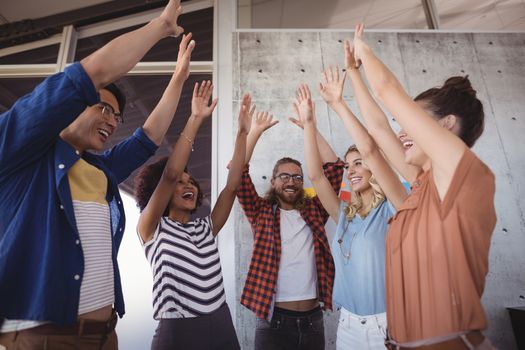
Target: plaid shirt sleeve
248,197
334,173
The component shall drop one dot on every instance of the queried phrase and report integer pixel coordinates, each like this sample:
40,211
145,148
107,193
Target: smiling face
357,173
93,128
290,191
185,194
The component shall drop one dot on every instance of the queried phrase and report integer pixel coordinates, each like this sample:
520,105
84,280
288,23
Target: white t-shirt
297,278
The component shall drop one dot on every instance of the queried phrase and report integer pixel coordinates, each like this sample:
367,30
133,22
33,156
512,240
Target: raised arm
262,122
443,147
332,92
376,121
159,201
158,122
224,203
121,54
325,150
304,108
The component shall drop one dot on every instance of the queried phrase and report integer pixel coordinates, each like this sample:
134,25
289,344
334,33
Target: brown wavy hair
147,180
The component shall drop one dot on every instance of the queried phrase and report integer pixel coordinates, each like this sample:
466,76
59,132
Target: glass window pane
11,89
200,23
46,54
143,93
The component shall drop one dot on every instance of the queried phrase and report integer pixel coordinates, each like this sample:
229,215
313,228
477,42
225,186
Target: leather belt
81,327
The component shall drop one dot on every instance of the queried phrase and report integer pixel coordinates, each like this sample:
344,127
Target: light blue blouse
359,283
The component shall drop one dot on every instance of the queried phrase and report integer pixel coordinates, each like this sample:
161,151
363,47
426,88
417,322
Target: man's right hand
170,15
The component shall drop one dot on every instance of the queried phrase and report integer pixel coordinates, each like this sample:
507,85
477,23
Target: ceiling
491,15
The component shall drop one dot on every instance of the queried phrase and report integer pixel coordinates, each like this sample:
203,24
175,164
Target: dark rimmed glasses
285,177
108,112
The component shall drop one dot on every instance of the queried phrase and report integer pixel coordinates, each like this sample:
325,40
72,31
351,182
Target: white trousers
361,332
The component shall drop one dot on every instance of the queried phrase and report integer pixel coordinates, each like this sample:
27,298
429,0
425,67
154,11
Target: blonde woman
358,248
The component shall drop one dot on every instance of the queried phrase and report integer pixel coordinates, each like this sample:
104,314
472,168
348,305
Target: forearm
314,163
180,155
326,152
237,163
121,54
357,131
251,141
161,117
373,116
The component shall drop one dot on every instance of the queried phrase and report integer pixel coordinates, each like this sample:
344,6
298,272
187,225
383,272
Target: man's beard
295,199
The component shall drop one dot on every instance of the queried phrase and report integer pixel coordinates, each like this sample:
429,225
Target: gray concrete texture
270,65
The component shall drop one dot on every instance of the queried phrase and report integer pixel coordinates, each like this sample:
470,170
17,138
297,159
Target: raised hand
262,122
170,15
200,103
182,69
303,105
245,114
297,121
350,61
332,88
359,44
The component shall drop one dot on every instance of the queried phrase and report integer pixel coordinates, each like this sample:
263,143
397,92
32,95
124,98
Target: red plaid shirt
259,289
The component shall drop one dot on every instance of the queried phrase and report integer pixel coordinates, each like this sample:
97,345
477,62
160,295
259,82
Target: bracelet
188,139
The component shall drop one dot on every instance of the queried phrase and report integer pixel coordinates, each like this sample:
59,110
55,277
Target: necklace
346,255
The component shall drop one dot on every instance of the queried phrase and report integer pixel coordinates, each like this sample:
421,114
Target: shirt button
118,202
61,207
61,166
77,242
77,152
77,277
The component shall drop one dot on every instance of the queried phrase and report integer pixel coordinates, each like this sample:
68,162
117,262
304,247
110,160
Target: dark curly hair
148,179
457,97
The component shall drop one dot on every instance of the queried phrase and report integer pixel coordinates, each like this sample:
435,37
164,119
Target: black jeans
290,330
211,332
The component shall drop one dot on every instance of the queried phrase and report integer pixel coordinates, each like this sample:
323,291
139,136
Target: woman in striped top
188,291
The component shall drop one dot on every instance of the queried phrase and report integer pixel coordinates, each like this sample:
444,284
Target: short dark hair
147,180
457,97
119,95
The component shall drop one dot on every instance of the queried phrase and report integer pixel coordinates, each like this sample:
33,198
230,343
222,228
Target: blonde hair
356,203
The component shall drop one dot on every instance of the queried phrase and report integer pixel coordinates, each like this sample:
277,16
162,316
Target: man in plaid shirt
292,270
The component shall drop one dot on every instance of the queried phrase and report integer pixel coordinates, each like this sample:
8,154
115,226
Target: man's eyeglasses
108,112
285,177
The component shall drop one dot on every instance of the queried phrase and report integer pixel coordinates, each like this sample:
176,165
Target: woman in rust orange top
438,241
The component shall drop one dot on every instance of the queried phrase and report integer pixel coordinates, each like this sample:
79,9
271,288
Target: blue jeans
289,330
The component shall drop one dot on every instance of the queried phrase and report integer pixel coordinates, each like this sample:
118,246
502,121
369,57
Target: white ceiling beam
55,39
68,45
26,70
137,19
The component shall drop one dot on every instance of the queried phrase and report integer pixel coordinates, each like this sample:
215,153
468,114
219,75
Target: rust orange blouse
437,255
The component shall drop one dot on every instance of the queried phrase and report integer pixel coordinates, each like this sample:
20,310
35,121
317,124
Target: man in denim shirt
61,214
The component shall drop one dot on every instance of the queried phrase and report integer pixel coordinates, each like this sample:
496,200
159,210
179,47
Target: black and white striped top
187,276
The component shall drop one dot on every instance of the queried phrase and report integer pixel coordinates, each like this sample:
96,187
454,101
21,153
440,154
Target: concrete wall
270,65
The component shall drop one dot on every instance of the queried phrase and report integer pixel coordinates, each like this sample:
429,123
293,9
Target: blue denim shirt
41,258
359,284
